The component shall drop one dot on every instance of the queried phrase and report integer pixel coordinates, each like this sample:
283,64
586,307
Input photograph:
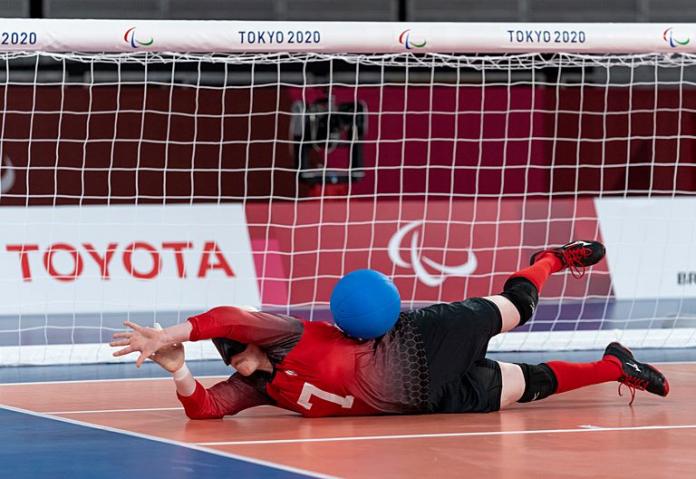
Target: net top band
114,36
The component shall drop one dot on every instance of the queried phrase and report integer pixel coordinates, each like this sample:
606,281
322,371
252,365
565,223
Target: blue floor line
35,446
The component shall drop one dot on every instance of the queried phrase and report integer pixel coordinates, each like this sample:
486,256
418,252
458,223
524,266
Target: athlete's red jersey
318,370
318,377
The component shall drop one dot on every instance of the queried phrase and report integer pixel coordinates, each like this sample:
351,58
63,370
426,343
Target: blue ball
365,304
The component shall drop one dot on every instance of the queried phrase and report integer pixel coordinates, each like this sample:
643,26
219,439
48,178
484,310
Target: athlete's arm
172,359
247,327
227,397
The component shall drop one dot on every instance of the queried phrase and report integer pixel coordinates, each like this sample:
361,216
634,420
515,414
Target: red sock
540,271
577,375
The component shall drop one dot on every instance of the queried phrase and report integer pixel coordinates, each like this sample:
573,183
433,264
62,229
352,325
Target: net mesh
443,171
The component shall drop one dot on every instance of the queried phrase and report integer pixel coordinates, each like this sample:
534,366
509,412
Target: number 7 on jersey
309,390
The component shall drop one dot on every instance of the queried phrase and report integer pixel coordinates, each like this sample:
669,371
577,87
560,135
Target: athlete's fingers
140,360
121,337
124,351
133,326
121,342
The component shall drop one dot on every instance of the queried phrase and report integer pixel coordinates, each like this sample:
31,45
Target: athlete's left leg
527,382
518,300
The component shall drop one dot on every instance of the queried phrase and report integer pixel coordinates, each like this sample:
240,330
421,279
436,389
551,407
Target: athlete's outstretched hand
145,340
170,357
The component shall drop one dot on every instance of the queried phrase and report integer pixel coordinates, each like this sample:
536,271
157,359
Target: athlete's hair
228,348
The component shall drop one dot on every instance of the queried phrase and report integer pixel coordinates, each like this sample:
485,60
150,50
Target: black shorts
455,338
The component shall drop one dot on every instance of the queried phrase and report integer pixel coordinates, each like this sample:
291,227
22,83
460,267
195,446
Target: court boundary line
79,381
445,435
100,411
189,445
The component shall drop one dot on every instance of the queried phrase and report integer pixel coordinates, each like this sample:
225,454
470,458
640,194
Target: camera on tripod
327,140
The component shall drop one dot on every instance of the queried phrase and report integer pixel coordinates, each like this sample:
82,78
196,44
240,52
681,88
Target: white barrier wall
651,246
101,259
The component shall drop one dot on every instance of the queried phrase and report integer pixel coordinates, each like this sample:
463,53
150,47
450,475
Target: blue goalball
365,304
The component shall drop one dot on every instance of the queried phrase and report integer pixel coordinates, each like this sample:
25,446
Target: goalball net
145,182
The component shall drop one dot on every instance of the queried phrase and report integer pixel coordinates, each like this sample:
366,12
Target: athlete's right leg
520,296
531,382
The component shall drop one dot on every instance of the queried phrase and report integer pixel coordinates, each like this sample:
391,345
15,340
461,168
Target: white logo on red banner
7,175
418,262
124,258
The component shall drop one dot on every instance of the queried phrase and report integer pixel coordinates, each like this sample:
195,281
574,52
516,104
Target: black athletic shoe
576,256
637,375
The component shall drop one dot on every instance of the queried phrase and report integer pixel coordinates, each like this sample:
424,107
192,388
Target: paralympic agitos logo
130,38
7,175
409,41
418,262
672,40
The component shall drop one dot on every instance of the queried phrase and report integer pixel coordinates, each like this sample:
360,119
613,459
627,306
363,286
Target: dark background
362,10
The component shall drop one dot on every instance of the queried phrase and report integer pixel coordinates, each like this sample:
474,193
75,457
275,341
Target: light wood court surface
590,433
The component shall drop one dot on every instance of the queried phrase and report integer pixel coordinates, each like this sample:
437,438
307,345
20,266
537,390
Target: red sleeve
262,329
226,397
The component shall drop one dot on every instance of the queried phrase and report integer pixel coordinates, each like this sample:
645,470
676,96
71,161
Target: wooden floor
591,433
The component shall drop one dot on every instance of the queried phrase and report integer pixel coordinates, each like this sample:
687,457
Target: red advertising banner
434,250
